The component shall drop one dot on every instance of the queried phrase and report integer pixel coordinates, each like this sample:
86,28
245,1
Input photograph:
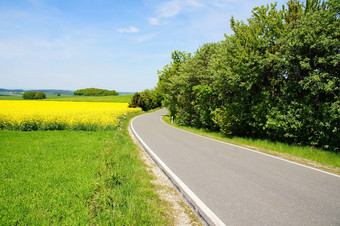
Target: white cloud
195,3
172,8
169,8
154,21
130,29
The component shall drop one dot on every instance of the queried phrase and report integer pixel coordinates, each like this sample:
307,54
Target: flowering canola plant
58,115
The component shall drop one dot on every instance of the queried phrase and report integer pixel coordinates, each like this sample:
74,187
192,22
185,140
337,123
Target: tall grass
75,178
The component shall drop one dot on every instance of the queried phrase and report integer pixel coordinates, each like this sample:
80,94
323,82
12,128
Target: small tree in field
28,95
34,95
40,95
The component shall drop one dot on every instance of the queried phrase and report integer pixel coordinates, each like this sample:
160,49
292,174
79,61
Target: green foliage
167,85
40,95
28,95
277,76
95,92
135,100
34,95
147,100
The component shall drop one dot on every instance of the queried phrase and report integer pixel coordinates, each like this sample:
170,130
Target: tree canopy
147,100
276,76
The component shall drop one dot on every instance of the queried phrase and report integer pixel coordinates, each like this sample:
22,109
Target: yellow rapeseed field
51,115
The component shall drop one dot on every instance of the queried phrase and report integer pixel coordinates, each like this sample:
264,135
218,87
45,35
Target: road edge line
258,152
196,203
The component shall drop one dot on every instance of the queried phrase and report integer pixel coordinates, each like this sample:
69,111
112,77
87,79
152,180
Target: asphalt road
240,186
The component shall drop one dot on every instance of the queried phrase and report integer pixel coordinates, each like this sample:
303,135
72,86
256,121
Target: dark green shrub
40,95
34,95
147,100
28,95
135,100
78,92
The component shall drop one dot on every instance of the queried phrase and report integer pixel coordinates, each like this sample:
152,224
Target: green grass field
75,178
11,97
116,99
330,160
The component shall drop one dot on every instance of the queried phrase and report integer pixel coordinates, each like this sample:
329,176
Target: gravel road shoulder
178,209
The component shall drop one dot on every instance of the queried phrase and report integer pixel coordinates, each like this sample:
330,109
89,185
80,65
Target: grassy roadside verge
76,177
314,157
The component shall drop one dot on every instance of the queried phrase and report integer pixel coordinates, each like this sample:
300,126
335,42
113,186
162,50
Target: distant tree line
46,91
95,92
276,76
34,95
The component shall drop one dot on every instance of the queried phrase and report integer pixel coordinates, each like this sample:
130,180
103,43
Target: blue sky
110,44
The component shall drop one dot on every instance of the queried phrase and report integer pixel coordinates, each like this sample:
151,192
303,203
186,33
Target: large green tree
276,76
309,107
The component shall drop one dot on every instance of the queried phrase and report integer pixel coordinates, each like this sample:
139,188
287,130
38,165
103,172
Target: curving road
240,186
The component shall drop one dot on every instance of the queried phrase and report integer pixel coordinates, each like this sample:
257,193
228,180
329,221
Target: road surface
243,187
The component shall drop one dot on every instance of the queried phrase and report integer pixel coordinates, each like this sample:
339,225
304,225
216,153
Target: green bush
34,95
28,95
135,100
147,100
40,95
